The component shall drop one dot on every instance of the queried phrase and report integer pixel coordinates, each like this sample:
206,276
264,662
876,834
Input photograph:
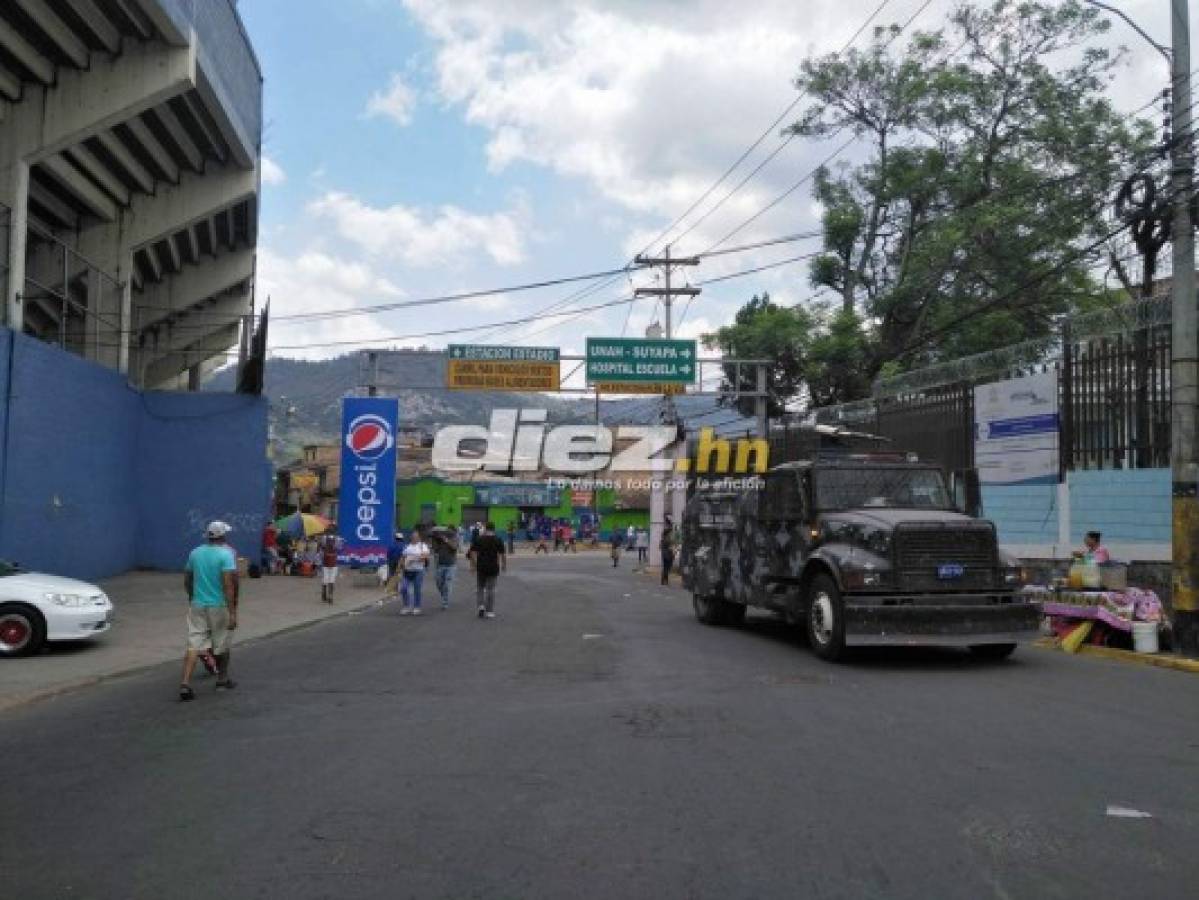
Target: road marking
1124,812
591,637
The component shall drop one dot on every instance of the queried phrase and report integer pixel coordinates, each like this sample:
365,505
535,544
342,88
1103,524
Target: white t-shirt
415,556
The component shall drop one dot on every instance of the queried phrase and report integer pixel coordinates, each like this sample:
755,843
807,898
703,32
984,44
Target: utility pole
1184,358
657,508
667,293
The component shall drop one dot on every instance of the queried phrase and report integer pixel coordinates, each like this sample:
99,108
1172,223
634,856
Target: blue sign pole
366,507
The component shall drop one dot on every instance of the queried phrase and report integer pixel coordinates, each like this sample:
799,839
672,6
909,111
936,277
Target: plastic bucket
1144,637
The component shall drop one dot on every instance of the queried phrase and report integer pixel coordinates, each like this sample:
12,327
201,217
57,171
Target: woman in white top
412,571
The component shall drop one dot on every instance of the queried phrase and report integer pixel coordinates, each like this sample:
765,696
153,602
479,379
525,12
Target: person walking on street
395,555
445,555
488,559
642,546
413,565
630,538
666,545
210,581
617,543
511,538
329,547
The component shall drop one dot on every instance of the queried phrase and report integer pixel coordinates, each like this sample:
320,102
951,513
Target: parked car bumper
77,623
943,621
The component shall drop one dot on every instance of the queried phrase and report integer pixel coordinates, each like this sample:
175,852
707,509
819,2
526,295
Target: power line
452,298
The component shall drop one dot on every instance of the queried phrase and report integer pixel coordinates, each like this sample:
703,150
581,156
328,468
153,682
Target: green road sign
635,360
503,354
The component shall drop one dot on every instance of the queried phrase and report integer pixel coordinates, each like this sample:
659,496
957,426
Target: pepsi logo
369,437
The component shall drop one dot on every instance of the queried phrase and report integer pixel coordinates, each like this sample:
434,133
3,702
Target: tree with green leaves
764,330
991,152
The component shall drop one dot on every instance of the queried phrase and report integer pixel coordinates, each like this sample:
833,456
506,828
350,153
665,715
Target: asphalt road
596,741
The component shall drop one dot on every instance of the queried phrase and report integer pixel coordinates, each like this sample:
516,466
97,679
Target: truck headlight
70,600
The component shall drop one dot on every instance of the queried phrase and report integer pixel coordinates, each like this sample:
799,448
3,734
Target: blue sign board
366,507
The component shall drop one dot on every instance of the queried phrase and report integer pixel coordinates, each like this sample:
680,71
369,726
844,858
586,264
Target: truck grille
921,549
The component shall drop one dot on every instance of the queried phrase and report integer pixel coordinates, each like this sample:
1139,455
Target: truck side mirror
967,492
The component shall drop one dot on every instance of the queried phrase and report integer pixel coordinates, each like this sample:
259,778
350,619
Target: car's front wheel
22,630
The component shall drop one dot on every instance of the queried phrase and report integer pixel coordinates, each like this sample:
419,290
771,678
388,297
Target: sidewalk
149,629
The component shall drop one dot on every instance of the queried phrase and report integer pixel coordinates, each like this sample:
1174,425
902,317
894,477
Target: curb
91,681
1160,660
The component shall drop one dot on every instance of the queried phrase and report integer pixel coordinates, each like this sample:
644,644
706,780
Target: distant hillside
306,398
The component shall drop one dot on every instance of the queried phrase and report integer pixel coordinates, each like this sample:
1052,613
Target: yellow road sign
502,375
638,387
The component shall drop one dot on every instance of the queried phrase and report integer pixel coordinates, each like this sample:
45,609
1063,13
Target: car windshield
893,488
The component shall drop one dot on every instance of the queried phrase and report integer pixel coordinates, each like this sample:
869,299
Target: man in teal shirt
210,581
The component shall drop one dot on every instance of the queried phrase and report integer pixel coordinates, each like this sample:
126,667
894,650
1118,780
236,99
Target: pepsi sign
369,437
366,507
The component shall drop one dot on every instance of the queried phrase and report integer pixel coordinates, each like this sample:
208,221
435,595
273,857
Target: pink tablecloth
1072,611
1119,609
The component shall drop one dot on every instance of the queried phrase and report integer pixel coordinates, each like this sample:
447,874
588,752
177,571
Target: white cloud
406,235
395,103
648,101
314,281
272,172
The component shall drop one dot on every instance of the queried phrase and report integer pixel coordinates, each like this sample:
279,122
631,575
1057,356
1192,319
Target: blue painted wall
97,478
200,457
1022,513
1127,505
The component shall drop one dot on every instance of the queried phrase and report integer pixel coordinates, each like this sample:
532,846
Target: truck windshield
894,488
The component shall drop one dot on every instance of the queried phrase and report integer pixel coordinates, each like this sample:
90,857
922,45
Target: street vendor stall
1113,615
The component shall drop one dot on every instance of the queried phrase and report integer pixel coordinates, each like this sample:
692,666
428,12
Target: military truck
860,548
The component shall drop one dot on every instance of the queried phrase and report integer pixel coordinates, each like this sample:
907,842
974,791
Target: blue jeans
445,581
412,581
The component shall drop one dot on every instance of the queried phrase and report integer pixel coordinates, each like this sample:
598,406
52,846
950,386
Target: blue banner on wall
366,507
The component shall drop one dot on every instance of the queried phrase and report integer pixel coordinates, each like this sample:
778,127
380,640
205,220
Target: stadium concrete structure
130,135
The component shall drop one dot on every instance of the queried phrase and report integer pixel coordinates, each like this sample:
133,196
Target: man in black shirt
488,559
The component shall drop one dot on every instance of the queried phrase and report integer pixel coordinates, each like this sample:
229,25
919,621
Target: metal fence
1113,369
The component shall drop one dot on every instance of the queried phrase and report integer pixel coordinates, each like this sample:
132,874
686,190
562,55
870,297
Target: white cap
217,529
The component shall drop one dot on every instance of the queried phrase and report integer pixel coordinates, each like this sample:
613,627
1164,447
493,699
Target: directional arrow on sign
685,369
685,353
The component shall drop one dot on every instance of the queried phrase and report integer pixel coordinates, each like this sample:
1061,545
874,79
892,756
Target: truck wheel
826,618
993,652
714,611
732,614
706,609
22,631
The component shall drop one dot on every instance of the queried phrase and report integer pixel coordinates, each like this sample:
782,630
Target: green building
431,500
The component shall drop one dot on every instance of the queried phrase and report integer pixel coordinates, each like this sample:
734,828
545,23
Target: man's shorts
328,574
208,628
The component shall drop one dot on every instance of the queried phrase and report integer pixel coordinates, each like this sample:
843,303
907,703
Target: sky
417,148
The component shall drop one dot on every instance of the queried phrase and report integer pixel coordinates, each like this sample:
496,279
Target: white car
36,608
